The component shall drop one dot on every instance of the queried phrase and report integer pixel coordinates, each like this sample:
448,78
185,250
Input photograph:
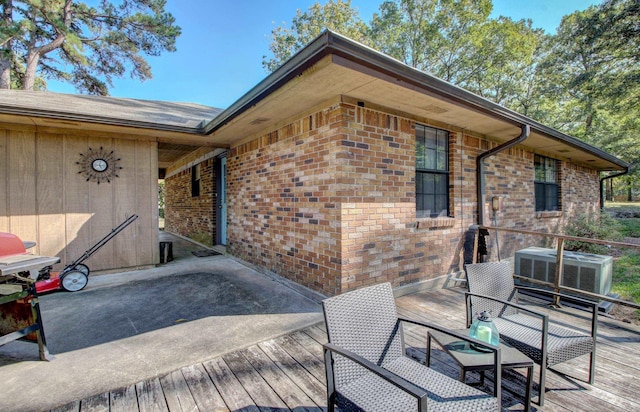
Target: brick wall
283,201
510,175
193,217
328,200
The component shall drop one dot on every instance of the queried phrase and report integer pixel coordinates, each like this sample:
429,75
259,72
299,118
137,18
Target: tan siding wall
329,200
44,199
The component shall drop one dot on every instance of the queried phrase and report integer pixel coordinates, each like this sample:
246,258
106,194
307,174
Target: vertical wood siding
44,199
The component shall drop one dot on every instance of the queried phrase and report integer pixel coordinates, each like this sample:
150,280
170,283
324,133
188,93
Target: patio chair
492,288
367,368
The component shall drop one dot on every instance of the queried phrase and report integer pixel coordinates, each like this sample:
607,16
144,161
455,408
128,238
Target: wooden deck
287,373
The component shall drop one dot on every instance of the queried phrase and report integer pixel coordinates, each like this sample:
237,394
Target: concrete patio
128,327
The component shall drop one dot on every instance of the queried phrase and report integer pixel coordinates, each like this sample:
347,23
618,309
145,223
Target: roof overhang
333,66
177,127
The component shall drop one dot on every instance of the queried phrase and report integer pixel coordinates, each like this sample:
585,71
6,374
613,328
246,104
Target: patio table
470,359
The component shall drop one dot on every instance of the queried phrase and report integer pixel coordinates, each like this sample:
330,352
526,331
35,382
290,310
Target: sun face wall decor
99,165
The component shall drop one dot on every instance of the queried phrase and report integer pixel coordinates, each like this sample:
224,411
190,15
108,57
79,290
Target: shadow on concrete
92,317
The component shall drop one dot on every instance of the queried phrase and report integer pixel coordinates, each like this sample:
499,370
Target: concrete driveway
128,327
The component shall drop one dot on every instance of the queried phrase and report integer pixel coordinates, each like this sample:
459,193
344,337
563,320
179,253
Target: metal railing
557,284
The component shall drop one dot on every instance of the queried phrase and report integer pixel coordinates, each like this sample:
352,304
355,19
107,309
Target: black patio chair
367,368
492,288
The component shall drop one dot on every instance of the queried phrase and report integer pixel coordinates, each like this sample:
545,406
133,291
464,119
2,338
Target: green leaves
85,45
336,15
452,39
592,71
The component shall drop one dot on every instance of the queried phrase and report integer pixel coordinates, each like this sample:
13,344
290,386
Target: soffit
334,76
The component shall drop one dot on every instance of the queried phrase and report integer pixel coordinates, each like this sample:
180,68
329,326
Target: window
546,183
432,172
195,181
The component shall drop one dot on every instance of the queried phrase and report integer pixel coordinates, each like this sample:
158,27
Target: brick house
345,167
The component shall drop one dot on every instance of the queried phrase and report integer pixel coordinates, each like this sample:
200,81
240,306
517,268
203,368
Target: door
222,205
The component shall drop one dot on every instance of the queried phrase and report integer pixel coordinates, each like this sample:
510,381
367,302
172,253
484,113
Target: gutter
526,130
329,42
138,124
624,172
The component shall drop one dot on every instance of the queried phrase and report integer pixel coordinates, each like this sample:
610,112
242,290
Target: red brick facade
328,200
187,215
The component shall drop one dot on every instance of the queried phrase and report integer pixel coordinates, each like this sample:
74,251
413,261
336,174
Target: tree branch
57,42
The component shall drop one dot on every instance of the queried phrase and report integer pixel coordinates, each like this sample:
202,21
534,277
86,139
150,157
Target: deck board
124,400
150,396
259,390
312,363
203,390
231,390
287,373
176,392
289,392
313,388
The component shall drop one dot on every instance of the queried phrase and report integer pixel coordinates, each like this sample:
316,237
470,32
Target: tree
406,31
592,72
85,45
591,69
500,62
336,15
458,42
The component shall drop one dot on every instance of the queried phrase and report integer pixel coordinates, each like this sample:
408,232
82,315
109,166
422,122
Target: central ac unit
584,271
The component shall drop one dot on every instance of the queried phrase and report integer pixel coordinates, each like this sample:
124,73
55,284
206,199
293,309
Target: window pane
420,148
429,203
540,198
420,185
440,184
431,138
441,206
551,196
551,175
432,184
546,169
419,202
442,161
539,168
443,139
425,184
432,148
430,161
546,183
429,184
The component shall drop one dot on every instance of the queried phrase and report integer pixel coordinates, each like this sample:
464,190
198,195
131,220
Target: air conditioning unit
584,271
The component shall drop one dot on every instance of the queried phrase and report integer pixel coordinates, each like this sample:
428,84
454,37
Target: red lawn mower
72,278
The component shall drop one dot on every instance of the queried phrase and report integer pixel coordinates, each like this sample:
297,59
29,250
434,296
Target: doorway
221,220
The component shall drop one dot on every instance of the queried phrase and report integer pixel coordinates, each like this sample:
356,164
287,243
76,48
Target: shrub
598,225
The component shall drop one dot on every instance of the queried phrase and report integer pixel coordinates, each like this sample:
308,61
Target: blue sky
220,51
